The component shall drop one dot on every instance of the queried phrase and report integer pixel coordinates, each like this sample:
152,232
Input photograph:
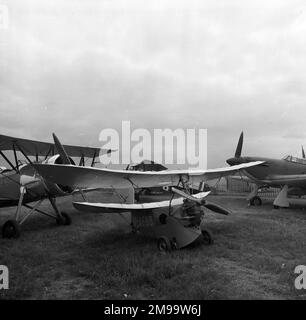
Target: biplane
20,185
175,223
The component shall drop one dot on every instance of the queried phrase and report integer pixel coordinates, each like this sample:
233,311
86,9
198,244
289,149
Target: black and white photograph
152,151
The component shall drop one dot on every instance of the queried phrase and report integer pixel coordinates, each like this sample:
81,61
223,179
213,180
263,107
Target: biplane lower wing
87,177
124,207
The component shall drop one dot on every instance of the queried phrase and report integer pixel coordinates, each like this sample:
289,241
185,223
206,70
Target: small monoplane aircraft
175,222
288,173
21,185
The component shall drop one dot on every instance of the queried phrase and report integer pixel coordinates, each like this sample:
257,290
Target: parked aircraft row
175,223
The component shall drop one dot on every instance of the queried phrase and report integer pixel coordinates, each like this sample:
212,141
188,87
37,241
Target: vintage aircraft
288,173
21,185
175,222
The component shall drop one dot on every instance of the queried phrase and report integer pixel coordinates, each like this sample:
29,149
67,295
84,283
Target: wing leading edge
39,148
124,207
87,177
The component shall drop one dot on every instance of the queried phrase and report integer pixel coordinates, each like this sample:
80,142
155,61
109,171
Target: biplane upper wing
39,148
87,177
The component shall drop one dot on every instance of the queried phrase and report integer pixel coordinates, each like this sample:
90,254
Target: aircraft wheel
11,229
64,220
207,237
276,207
163,244
255,201
173,244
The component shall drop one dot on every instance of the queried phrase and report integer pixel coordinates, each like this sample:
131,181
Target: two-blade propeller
61,151
202,202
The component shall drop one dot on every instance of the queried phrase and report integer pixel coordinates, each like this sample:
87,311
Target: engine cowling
53,188
56,159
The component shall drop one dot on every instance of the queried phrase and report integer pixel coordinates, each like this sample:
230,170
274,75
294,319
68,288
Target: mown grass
253,257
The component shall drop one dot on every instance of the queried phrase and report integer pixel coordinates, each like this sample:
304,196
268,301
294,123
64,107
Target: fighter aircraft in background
21,185
175,222
288,173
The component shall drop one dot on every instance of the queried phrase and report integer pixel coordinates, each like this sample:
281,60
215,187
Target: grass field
97,257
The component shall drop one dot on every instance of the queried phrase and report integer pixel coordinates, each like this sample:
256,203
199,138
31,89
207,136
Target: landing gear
281,201
163,244
255,201
207,237
64,220
11,229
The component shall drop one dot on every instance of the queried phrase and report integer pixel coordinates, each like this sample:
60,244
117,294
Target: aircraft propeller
239,146
202,202
60,149
237,157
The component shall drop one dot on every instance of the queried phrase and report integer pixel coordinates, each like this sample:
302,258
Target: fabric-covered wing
124,207
86,177
39,148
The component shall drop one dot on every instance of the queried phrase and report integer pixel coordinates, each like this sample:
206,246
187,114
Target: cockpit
290,158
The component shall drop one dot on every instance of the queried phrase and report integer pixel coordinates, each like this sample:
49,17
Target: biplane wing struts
21,185
175,223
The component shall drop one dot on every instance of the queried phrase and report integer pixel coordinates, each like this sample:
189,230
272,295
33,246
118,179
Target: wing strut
16,160
50,150
93,159
20,149
82,163
8,161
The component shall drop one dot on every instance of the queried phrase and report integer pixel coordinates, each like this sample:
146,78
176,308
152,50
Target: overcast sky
76,67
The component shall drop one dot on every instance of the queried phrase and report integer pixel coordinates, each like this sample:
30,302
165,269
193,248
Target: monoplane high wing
87,177
46,149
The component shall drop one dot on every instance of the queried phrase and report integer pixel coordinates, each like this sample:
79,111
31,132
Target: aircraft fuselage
272,171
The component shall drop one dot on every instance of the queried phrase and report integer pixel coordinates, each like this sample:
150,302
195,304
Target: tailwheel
207,237
255,201
64,219
11,229
163,244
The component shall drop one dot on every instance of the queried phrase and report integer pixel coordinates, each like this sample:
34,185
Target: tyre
255,201
11,229
64,220
163,244
207,237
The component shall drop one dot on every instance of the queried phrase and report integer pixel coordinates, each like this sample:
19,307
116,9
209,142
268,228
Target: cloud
75,68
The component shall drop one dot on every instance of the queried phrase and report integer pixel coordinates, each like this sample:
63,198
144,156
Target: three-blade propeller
239,146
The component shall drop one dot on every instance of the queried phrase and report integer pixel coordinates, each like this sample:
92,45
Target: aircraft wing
124,207
293,180
39,148
87,177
